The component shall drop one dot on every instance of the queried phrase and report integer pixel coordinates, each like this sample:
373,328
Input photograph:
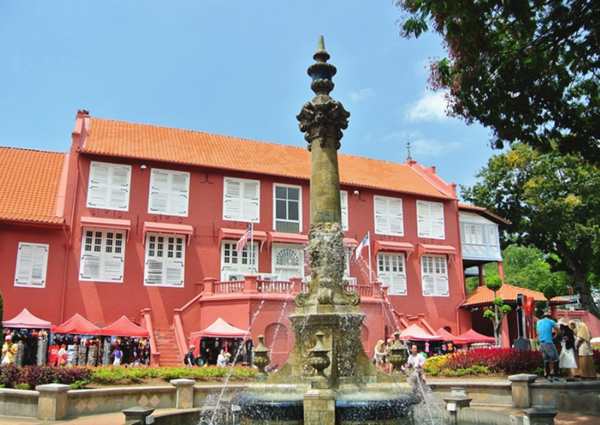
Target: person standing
379,354
584,348
566,359
414,365
117,356
544,328
189,359
9,351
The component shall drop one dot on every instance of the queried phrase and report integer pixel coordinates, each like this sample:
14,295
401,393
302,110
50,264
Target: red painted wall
104,302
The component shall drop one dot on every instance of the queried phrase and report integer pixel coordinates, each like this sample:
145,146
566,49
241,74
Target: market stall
71,342
220,335
128,338
473,337
29,334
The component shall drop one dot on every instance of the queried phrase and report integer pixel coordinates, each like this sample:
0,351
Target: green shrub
124,376
22,386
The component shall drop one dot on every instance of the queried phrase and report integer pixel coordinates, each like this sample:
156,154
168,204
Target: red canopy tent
77,324
123,327
416,333
26,320
446,336
218,329
472,337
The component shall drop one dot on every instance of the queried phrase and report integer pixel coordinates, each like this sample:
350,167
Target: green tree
528,70
526,267
553,203
499,309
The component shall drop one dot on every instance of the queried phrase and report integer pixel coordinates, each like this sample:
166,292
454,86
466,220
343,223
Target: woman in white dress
566,360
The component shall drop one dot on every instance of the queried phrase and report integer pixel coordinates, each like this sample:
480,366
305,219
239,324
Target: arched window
288,262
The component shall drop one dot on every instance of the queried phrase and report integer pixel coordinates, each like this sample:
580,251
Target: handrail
179,334
154,353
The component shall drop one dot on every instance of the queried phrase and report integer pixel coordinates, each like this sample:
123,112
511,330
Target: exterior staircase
167,347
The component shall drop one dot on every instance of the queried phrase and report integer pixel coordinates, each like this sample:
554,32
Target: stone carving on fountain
327,309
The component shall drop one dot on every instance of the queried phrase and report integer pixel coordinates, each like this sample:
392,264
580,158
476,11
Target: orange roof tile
508,293
29,181
150,142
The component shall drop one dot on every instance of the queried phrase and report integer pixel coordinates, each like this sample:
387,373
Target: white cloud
420,145
361,95
430,107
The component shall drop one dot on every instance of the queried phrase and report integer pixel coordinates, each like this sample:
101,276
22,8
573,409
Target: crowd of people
426,349
565,345
37,347
220,352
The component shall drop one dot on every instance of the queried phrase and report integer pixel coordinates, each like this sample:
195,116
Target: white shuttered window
165,260
32,262
344,208
434,276
388,216
241,200
234,264
109,186
288,261
391,270
430,220
169,192
102,256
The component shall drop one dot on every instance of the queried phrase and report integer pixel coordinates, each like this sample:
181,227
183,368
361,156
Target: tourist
583,346
566,359
222,359
9,351
379,354
117,356
544,328
189,359
72,354
62,355
414,366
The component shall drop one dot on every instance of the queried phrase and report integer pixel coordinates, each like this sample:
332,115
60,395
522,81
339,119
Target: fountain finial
321,72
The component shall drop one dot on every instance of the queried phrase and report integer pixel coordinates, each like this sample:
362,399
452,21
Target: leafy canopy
527,69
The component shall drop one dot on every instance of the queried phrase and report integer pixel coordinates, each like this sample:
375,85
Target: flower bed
29,376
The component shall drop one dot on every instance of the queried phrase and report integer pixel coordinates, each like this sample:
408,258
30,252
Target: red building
143,220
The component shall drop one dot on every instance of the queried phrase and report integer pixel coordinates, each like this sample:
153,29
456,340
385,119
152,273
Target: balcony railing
229,287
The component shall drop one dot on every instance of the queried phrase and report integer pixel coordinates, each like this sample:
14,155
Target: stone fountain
328,378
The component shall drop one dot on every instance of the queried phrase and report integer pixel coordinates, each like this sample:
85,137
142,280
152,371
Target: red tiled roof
150,142
29,181
508,293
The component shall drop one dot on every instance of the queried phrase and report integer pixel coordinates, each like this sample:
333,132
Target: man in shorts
544,328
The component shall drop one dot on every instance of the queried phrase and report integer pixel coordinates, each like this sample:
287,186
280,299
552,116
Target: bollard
184,398
454,403
137,415
521,392
52,401
539,416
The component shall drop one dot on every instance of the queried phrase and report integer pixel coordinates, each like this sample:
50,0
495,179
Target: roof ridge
17,148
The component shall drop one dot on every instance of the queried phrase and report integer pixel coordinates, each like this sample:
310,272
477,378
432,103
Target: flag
365,242
241,243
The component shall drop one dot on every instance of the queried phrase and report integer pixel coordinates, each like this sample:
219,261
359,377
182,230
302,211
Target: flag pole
370,271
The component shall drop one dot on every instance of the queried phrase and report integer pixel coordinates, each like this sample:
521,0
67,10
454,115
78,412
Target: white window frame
229,268
164,258
389,258
102,253
275,219
426,229
170,194
275,249
435,273
241,218
109,185
19,265
344,207
387,200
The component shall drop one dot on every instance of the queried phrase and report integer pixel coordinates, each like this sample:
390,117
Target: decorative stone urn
319,358
261,357
397,355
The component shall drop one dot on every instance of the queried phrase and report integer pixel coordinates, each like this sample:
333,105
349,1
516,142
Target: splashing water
279,325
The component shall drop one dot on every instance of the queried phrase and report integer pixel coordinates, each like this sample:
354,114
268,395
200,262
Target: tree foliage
553,203
497,312
528,70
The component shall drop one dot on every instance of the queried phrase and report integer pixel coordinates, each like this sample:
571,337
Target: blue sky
236,68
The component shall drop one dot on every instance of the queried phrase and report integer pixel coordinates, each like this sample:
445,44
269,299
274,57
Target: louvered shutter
395,217
436,217
119,187
112,267
174,272
232,203
381,216
441,285
251,201
427,276
344,209
159,192
423,219
32,261
180,185
98,185
154,271
91,264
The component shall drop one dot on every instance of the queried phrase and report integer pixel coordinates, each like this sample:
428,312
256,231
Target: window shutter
423,219
398,285
39,264
381,220
174,272
24,264
232,204
32,261
441,285
180,185
437,220
396,217
112,267
251,201
98,185
344,208
90,266
159,191
154,271
119,187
